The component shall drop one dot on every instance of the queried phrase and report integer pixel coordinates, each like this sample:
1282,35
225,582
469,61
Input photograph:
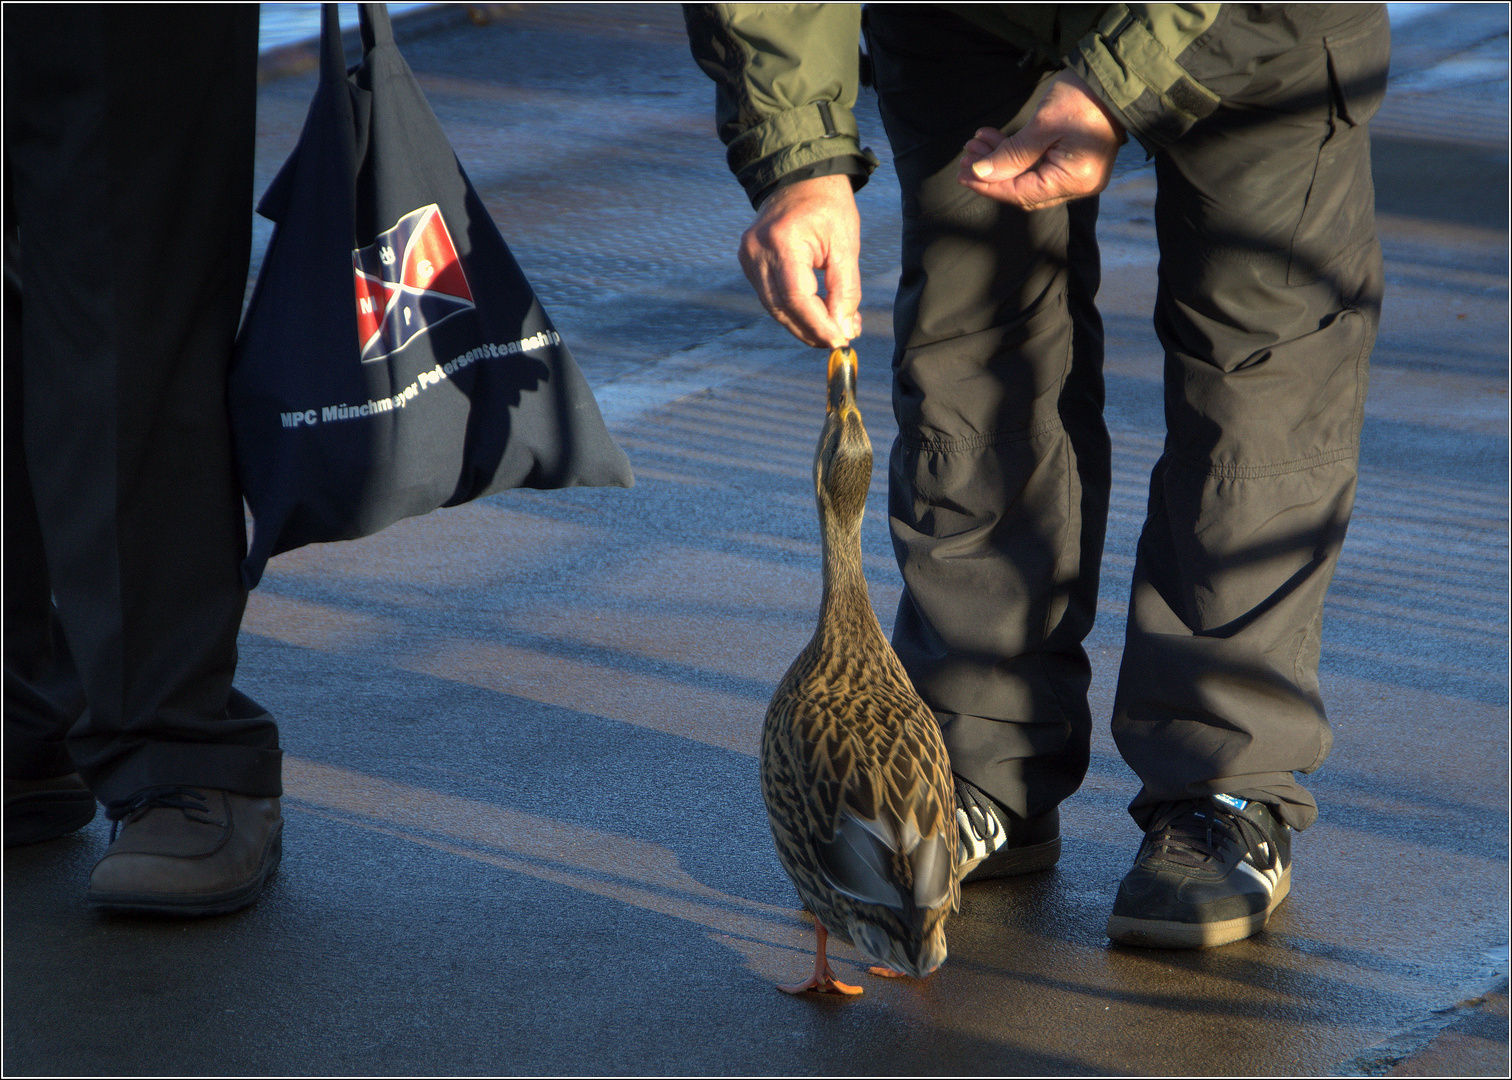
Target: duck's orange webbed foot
823,980
885,972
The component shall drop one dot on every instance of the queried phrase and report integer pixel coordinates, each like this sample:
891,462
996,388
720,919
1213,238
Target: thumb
1012,156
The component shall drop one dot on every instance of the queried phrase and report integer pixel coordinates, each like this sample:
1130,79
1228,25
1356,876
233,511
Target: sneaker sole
1011,862
1163,934
221,903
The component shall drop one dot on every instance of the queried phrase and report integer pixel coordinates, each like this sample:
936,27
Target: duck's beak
842,382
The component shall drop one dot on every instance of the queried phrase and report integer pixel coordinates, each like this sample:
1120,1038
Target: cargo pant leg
999,477
128,145
1269,298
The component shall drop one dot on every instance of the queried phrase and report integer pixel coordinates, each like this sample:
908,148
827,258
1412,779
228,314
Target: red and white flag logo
408,280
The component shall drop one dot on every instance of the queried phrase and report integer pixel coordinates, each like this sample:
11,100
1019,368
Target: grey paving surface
524,833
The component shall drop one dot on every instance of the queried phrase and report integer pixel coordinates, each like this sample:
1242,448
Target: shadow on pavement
1461,184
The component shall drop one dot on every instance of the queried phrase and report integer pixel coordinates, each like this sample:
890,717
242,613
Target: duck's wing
800,794
811,759
863,862
887,836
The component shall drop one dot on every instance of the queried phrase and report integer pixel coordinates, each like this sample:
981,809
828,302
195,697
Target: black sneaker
1210,871
996,843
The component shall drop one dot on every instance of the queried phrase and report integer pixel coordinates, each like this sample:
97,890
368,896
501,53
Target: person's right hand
802,228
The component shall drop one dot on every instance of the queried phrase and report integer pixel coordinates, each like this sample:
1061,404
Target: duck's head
843,461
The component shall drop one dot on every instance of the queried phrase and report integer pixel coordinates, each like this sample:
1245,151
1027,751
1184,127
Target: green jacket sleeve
1139,60
1163,67
785,78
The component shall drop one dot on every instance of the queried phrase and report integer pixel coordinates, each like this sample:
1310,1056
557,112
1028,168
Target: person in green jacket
1004,121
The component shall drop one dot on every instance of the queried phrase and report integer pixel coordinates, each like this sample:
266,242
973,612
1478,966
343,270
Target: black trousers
128,167
1270,286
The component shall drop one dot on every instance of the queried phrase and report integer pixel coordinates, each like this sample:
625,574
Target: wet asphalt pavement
523,827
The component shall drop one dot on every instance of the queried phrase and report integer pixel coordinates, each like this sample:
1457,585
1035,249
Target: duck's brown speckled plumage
854,773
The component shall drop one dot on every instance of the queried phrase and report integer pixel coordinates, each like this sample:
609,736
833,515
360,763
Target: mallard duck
855,776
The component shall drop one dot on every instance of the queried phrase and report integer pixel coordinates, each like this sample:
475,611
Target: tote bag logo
408,280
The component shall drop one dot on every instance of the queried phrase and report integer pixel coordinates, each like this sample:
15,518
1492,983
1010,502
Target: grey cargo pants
1269,295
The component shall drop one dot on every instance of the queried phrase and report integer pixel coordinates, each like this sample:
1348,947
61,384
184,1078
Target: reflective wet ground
524,833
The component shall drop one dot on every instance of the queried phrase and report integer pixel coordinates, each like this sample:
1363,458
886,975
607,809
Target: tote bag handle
332,57
374,24
373,19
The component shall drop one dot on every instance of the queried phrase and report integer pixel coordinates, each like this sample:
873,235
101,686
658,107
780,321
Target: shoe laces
979,815
172,796
1196,832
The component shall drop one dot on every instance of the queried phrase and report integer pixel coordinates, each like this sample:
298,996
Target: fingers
984,142
1066,171
1008,158
1035,189
842,292
1014,170
804,228
1065,152
784,280
788,288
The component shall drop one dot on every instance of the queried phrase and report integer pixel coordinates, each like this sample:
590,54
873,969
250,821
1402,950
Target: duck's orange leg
823,980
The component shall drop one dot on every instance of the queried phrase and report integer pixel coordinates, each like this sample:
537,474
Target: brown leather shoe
188,851
38,810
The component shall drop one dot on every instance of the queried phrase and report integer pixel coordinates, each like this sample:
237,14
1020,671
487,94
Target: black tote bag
393,358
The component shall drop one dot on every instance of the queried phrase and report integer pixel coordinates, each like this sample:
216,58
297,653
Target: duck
854,772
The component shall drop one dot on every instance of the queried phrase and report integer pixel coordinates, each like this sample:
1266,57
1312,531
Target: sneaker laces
974,812
1196,832
174,797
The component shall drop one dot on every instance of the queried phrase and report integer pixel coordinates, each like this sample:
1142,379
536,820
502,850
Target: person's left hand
1065,152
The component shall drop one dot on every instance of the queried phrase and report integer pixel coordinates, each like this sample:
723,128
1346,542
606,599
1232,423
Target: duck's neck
846,602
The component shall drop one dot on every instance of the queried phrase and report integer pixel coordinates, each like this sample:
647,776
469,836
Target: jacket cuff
856,167
1135,76
792,140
